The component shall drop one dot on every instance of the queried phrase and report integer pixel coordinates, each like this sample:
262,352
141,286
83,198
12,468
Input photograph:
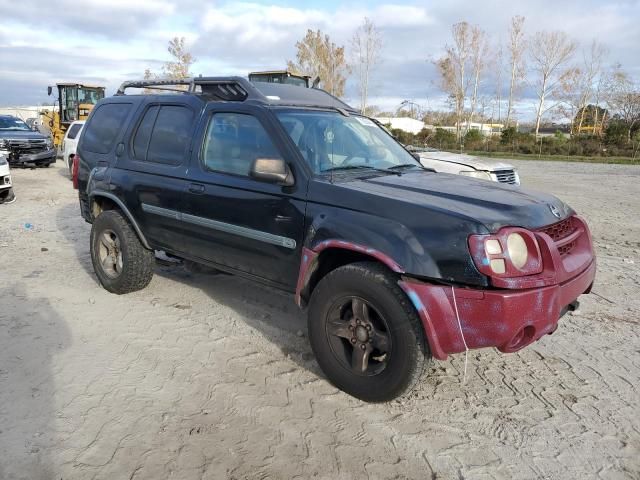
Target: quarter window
74,130
233,141
104,127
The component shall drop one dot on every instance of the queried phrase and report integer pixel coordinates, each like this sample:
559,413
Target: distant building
486,129
549,130
23,112
406,124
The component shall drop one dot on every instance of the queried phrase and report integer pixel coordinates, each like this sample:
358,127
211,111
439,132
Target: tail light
74,171
512,252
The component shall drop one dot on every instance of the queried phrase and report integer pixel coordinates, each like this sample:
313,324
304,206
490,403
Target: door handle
282,218
196,188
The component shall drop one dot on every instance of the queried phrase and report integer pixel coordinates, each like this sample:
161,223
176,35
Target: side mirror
49,90
271,170
416,156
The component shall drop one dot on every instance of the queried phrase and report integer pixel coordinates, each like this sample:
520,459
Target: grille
27,146
561,230
505,176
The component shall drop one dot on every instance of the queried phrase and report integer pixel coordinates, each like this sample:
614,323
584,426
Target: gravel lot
211,376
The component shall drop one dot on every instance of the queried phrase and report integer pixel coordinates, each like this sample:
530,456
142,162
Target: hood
479,163
492,204
21,135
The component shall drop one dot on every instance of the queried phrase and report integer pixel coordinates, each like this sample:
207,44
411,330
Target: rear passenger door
153,167
233,220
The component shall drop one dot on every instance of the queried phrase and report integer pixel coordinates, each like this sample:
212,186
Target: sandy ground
211,376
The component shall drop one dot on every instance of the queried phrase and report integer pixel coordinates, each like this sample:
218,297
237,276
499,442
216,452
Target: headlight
48,143
511,252
3,160
476,174
517,248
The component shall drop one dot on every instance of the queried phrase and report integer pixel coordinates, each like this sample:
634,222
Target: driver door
233,220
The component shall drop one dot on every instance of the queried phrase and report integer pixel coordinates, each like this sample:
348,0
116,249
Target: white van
70,142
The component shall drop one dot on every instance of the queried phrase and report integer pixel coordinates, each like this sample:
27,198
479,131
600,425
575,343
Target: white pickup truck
6,189
469,165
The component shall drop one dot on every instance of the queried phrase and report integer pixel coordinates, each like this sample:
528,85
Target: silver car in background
469,165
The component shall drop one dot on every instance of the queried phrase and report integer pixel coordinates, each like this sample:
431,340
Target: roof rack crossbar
224,88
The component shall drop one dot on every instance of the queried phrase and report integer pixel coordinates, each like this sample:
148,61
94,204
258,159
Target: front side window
331,141
104,127
234,141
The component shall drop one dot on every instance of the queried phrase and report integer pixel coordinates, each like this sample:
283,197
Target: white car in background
70,142
469,165
6,189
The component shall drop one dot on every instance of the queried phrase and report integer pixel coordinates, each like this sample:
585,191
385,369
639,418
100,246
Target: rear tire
365,333
122,264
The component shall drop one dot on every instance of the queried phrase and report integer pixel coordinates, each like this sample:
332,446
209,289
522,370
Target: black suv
292,187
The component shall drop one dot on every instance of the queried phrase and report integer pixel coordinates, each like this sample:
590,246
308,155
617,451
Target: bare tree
550,52
366,45
177,68
591,81
623,99
499,65
318,56
452,69
478,56
516,48
180,66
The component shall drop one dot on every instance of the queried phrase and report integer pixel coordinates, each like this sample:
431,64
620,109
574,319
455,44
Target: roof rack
240,89
223,88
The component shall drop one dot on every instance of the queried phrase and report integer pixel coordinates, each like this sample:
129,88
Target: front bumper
45,156
506,319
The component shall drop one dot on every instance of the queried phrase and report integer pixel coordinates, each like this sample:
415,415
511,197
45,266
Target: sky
106,42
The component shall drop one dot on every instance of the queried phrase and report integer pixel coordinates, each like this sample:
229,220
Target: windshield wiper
404,165
361,167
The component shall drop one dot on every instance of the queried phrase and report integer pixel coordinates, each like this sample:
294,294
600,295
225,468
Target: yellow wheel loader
74,102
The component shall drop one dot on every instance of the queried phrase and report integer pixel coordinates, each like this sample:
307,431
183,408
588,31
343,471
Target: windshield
90,95
12,123
331,141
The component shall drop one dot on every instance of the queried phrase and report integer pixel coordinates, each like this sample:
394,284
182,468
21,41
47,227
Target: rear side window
164,134
105,126
74,130
143,135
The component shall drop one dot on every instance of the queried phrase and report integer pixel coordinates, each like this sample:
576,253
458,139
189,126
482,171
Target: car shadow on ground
271,312
64,172
76,232
31,334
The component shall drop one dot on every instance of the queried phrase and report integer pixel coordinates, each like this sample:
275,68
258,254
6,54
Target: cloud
93,17
108,42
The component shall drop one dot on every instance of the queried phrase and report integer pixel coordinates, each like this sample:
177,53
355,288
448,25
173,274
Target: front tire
122,264
365,334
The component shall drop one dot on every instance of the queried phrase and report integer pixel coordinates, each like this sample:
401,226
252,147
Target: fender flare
125,210
309,262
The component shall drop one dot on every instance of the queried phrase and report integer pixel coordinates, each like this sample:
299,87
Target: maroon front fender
310,261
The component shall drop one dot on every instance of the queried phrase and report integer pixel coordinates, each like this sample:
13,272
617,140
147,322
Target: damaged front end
6,190
28,152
